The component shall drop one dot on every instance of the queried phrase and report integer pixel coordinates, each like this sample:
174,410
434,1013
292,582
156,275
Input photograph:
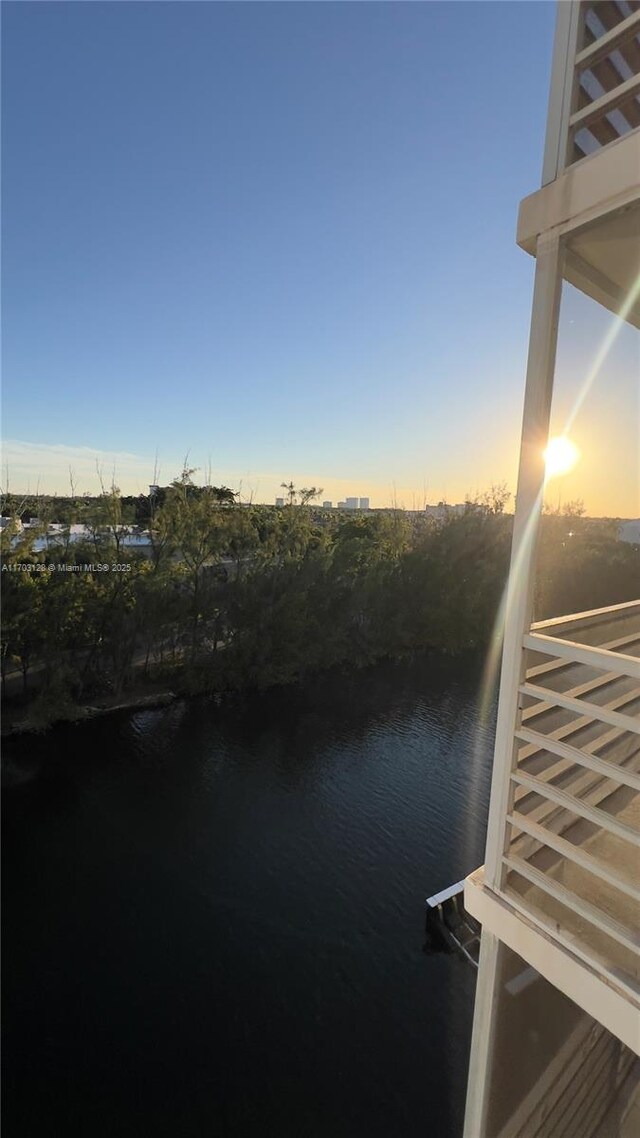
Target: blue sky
278,236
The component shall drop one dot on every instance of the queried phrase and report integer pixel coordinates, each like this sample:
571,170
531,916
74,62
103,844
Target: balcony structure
557,1019
571,832
595,83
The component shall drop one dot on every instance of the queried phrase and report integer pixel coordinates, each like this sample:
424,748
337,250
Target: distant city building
443,510
279,501
153,490
351,504
364,503
327,505
630,532
342,505
57,535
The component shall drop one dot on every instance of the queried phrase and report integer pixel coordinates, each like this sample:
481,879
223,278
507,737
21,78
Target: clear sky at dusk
278,236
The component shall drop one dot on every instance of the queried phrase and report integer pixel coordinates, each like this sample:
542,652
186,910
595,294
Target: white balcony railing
595,96
571,859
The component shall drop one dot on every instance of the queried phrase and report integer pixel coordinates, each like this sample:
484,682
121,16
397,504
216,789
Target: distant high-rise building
279,501
327,505
341,505
364,503
351,504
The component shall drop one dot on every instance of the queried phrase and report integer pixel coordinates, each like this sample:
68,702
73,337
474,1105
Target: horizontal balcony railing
572,843
605,102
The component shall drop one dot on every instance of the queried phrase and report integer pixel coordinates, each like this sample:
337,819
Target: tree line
234,597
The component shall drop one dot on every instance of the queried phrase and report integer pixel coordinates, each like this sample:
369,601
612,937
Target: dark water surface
213,919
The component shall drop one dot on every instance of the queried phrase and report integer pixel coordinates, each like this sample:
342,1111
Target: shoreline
143,699
85,712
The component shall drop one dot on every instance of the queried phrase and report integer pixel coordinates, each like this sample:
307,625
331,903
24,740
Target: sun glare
560,456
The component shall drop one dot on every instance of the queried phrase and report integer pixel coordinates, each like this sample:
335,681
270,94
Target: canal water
213,917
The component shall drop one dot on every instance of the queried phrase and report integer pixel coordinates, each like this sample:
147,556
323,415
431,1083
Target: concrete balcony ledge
609,1000
597,185
594,207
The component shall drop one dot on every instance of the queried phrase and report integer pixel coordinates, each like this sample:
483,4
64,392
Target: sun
560,456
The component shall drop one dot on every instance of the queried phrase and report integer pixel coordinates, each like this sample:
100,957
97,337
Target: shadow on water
213,917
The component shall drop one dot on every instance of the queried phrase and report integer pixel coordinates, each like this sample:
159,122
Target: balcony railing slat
587,786
580,758
607,74
573,853
570,729
610,646
610,101
602,130
582,707
629,938
584,689
569,650
607,43
578,806
579,618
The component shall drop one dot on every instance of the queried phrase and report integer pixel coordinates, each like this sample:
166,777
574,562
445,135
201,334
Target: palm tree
223,495
291,491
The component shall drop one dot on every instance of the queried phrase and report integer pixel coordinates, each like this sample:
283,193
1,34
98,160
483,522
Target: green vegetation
230,597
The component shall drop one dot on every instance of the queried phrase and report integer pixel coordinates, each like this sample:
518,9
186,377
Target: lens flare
488,692
614,329
560,456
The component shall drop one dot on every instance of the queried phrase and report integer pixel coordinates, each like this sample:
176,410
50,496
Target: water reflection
214,917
